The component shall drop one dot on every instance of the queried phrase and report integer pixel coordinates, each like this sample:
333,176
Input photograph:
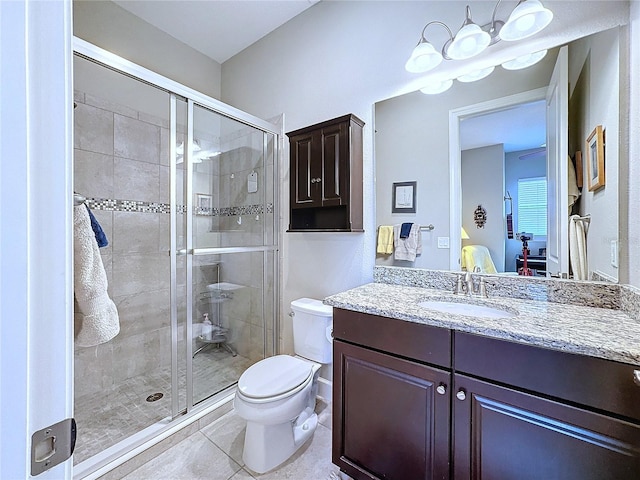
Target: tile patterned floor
215,453
106,418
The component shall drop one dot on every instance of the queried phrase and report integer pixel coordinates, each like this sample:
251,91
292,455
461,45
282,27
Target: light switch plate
614,253
443,242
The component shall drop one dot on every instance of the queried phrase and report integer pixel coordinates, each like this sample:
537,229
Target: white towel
578,247
407,248
98,318
573,191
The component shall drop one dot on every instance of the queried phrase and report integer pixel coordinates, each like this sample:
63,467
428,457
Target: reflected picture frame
203,204
595,159
404,197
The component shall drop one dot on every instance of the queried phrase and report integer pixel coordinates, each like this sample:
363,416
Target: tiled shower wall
120,154
121,161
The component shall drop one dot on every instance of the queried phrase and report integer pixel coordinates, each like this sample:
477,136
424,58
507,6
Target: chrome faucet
466,285
468,282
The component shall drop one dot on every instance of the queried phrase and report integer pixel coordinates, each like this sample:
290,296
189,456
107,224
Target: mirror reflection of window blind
532,205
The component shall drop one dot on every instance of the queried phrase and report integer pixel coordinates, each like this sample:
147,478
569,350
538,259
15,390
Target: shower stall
186,190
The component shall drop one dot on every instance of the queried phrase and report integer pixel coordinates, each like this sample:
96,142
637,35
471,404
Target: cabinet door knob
441,389
313,180
461,395
636,377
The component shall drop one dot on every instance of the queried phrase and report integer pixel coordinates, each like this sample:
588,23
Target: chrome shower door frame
193,97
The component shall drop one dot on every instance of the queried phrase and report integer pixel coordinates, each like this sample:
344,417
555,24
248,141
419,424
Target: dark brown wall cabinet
326,176
485,409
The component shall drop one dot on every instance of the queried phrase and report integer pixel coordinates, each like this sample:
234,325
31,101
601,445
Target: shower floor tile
108,417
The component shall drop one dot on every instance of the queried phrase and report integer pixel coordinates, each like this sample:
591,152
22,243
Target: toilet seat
274,378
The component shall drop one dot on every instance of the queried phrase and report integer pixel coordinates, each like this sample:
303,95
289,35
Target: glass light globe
434,88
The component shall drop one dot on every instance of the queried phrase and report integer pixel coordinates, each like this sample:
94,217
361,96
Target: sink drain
154,397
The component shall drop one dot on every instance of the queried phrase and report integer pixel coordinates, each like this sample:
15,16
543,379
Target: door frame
36,243
455,158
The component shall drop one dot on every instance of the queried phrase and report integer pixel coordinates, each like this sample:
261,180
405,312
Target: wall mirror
485,143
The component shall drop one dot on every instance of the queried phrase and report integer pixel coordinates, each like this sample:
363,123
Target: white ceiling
222,28
217,28
522,127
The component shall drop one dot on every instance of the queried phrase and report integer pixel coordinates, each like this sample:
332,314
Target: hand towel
578,248
405,229
407,248
97,322
385,239
101,238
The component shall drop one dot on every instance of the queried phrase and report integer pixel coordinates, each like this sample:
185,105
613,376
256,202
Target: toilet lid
274,376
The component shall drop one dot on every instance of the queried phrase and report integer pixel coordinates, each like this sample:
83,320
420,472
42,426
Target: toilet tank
312,325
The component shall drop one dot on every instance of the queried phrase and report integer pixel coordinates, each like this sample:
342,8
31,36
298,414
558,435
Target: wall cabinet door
334,161
326,176
320,167
502,434
390,421
305,168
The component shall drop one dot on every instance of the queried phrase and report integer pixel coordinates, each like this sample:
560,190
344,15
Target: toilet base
267,446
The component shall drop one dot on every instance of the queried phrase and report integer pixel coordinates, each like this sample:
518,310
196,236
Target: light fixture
433,88
476,75
424,56
528,18
469,41
524,61
199,154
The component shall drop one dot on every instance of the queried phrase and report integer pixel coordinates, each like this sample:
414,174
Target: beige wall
630,189
113,28
309,75
594,68
482,181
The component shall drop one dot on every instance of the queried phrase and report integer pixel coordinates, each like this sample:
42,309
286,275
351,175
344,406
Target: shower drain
154,397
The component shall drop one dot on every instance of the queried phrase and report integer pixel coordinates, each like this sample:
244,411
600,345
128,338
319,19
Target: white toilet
277,395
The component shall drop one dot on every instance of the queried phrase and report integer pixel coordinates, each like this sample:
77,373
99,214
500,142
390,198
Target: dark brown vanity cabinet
390,414
536,413
418,402
326,176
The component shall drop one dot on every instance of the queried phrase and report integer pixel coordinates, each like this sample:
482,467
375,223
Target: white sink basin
468,309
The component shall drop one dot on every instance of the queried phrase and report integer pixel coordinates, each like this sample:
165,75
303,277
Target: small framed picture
404,197
203,204
595,158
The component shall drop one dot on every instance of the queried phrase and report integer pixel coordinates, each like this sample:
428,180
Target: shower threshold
116,455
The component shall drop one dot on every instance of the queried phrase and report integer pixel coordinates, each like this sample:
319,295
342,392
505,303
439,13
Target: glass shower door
230,232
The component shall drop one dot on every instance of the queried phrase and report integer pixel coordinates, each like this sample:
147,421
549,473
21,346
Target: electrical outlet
443,242
614,253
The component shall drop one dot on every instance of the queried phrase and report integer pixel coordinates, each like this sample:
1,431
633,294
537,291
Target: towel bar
78,199
427,227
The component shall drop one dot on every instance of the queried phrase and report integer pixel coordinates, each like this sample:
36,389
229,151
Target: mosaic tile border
112,205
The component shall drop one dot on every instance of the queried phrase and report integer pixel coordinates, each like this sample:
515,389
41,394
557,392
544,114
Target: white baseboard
325,389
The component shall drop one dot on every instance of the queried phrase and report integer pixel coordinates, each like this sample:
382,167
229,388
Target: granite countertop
597,332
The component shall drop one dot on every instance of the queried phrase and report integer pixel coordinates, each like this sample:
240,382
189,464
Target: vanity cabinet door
391,416
503,434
